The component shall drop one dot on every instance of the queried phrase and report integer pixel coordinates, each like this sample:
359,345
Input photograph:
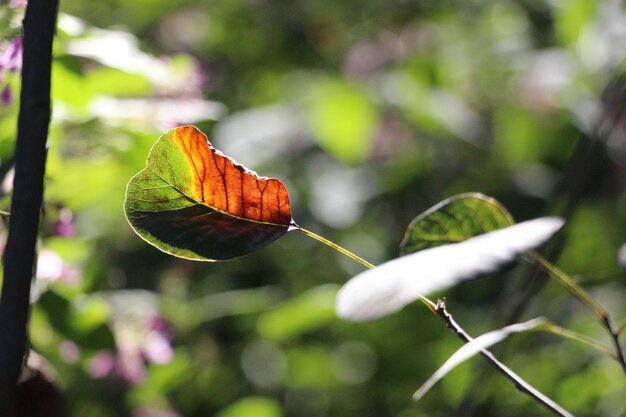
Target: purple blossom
141,339
6,96
131,365
11,57
101,364
69,351
64,229
65,226
157,348
10,61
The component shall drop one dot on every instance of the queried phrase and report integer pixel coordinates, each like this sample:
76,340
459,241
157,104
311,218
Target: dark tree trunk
30,165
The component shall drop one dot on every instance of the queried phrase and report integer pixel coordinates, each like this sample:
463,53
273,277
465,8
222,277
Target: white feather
394,284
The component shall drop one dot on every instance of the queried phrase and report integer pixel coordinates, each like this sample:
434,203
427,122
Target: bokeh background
370,112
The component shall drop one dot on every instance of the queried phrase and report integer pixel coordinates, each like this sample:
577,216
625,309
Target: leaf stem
586,299
431,305
336,247
568,334
570,285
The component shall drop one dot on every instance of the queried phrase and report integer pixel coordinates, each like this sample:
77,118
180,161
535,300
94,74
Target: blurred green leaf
117,83
69,87
86,327
252,406
166,377
162,379
585,227
90,312
571,17
453,220
73,250
522,136
310,367
343,119
300,315
57,310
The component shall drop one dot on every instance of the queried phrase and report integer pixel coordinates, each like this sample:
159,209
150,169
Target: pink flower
69,351
65,226
10,61
157,348
101,364
17,3
11,57
130,365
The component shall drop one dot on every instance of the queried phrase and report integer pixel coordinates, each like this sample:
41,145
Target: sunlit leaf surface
453,220
193,202
394,284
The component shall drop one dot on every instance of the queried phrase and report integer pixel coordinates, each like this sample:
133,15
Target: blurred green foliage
371,112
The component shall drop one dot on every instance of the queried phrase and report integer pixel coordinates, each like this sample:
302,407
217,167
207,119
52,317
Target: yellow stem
570,285
560,331
336,247
431,306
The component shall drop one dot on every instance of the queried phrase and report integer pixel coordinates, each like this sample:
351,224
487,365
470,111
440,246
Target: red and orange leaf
194,202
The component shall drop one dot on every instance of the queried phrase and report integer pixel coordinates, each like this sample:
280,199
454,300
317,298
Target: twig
615,337
586,299
30,162
519,383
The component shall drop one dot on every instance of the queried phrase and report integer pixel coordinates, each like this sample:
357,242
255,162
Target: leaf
394,284
343,119
453,220
472,348
252,406
299,315
193,202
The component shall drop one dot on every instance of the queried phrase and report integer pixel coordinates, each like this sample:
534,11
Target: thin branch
30,163
519,383
586,299
621,326
615,337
